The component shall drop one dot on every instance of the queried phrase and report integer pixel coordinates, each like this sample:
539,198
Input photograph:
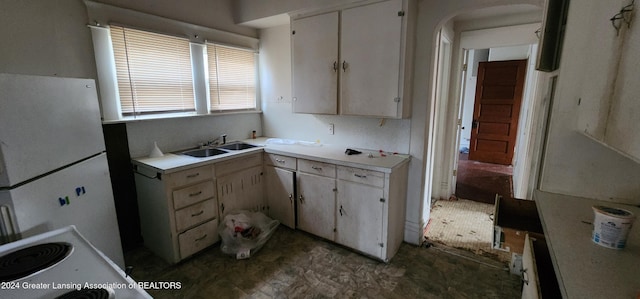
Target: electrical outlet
331,129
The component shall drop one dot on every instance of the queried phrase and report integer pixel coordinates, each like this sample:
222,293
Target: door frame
447,139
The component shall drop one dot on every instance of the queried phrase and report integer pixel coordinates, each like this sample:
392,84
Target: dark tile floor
293,264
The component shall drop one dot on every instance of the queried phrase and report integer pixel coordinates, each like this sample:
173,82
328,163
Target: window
232,78
153,72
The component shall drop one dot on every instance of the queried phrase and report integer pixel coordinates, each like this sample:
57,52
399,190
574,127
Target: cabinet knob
301,198
290,197
335,66
344,66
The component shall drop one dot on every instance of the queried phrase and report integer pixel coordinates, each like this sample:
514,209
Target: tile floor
293,264
464,224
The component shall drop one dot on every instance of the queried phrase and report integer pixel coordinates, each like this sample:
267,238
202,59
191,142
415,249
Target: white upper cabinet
355,61
315,62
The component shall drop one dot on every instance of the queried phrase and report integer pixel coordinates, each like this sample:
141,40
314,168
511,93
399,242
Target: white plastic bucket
611,226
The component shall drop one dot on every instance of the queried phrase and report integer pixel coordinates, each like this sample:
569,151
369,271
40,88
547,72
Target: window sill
128,119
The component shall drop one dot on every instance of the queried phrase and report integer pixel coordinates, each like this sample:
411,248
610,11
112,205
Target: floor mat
464,224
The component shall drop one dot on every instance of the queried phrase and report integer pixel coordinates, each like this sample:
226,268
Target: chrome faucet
215,142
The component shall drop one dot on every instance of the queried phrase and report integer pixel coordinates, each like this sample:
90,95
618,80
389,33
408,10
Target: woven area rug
464,224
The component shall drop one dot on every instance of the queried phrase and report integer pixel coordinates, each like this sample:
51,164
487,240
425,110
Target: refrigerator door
46,123
78,195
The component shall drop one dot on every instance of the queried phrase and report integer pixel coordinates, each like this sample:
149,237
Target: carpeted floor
464,224
480,181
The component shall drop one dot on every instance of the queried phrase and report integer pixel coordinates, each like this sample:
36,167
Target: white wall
574,164
51,38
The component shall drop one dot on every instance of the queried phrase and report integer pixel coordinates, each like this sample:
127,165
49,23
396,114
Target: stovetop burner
33,259
87,294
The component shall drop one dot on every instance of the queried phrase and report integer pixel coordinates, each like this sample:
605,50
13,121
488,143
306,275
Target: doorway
467,222
493,91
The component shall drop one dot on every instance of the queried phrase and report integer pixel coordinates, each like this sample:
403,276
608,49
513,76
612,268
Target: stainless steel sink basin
236,146
203,152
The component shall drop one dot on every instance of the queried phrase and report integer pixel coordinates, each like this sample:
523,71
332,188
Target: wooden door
496,111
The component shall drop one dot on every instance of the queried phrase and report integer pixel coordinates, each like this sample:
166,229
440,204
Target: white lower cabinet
240,184
280,188
317,205
358,208
359,219
178,211
538,275
362,209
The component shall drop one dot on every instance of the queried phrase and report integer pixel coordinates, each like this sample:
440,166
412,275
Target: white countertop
585,269
319,152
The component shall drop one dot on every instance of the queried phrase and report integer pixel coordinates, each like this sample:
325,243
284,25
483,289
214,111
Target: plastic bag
243,233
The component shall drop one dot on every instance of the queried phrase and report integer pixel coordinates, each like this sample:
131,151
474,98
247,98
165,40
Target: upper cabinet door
371,42
315,63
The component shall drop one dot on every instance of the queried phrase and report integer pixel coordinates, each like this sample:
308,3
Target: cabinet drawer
195,214
538,275
240,163
363,176
512,219
190,176
190,195
198,238
319,168
280,161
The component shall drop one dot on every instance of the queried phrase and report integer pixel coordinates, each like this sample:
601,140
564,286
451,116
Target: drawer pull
280,161
201,238
316,168
197,214
193,175
360,176
195,193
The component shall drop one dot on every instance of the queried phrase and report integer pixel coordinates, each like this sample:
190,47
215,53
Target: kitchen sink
203,152
236,146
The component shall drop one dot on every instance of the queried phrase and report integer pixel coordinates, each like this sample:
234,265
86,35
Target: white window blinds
232,78
153,70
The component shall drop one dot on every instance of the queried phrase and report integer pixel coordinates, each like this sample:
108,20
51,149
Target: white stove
61,263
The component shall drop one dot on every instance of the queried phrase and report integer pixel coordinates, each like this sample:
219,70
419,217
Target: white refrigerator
53,166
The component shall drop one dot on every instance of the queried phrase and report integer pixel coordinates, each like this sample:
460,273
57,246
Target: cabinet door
314,43
316,205
229,193
360,216
252,189
370,44
280,195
